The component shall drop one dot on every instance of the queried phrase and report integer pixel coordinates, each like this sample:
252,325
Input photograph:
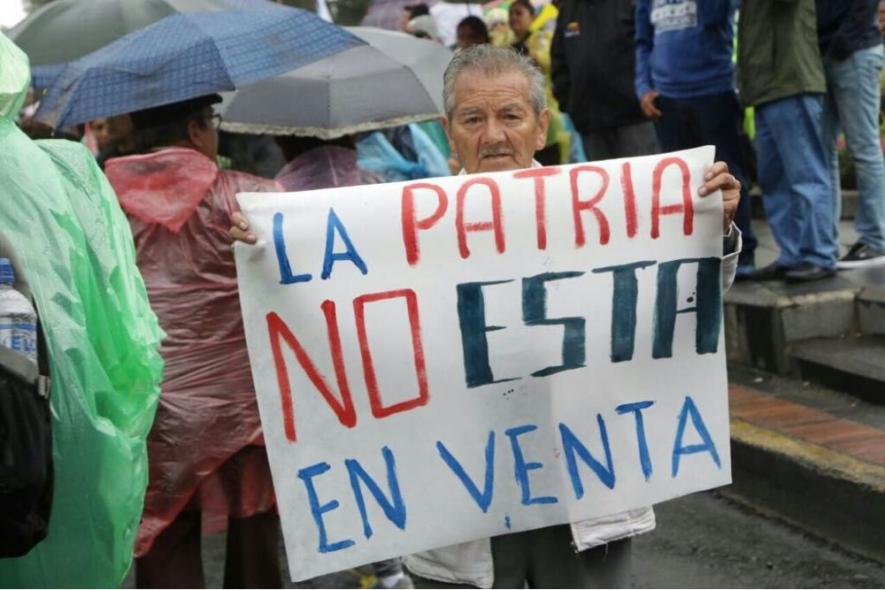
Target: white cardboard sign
445,360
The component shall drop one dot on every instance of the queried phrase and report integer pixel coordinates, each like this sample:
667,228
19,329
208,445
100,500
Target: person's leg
420,582
389,572
854,85
829,133
253,552
795,126
635,140
554,563
718,119
670,128
776,192
174,560
597,145
510,556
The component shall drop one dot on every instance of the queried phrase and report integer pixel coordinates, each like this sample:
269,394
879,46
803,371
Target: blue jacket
846,26
684,47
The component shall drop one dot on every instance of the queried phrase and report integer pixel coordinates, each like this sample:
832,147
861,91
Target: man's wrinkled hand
239,231
718,178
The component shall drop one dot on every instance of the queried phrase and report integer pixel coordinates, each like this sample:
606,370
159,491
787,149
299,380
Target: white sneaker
861,256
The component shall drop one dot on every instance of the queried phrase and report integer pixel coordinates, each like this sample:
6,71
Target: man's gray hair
494,61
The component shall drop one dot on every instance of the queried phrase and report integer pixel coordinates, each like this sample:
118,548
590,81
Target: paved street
702,541
705,540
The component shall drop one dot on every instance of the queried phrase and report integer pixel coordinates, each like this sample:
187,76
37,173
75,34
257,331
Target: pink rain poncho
179,204
328,166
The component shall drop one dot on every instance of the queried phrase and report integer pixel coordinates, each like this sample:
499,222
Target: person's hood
424,24
162,187
15,78
322,167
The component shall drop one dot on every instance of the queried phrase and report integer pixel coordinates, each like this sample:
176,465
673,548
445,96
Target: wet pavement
702,541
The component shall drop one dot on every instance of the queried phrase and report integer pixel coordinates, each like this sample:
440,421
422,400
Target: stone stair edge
810,455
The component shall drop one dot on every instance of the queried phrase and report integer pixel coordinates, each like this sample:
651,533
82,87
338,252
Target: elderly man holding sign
496,119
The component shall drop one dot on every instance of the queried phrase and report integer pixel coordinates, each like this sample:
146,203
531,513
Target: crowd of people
575,80
665,75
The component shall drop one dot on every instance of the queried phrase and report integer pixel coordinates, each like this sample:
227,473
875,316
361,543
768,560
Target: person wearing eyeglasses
207,462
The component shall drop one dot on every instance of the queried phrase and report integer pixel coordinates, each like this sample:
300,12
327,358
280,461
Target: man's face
520,19
203,134
493,126
100,132
119,127
467,37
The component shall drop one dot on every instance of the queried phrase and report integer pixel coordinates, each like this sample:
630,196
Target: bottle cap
7,274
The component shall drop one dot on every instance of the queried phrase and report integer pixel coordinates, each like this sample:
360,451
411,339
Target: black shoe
809,272
860,256
772,272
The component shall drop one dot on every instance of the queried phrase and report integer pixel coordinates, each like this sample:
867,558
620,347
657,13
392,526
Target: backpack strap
19,365
44,383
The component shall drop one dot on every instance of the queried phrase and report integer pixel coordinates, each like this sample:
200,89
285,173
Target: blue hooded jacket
684,48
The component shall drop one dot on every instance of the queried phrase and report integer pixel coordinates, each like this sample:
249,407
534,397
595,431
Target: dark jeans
545,558
712,120
251,560
620,142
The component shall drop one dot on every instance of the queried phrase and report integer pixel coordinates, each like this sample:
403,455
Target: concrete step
870,309
854,365
813,457
763,319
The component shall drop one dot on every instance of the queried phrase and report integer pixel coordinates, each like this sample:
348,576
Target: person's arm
559,73
645,40
731,250
860,17
718,178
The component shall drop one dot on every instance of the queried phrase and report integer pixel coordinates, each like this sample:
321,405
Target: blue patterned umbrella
188,55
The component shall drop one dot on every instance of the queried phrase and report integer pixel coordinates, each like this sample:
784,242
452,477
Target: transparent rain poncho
326,166
205,448
75,246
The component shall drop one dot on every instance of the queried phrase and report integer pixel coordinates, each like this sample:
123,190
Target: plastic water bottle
18,320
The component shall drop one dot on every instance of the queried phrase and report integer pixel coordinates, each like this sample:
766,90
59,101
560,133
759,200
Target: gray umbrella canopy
65,30
394,80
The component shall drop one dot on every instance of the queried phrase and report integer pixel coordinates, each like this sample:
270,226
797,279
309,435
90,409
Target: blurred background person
536,45
471,31
685,80
423,27
497,21
411,11
447,15
114,136
73,250
780,73
208,465
593,71
314,163
99,130
255,154
851,48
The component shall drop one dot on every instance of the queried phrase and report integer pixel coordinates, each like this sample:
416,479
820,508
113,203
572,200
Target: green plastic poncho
74,244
